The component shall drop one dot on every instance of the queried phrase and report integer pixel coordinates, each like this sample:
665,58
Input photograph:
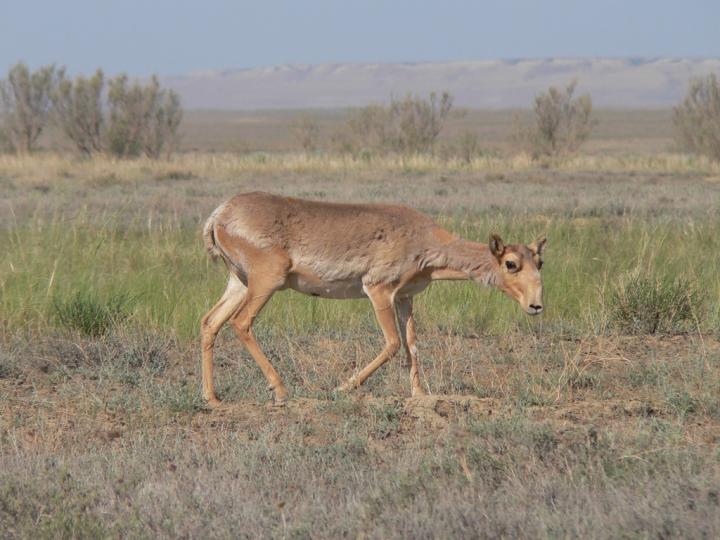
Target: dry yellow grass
46,166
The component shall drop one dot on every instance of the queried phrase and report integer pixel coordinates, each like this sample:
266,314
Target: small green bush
306,131
562,123
408,126
386,419
78,110
89,314
25,106
645,303
129,120
697,118
682,403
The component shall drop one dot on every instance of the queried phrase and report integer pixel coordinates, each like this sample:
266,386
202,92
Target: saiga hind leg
210,325
257,296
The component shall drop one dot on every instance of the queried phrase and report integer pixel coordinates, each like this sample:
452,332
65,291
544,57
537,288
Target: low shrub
561,123
697,118
645,303
90,315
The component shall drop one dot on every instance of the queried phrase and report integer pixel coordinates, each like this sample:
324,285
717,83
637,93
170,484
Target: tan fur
385,252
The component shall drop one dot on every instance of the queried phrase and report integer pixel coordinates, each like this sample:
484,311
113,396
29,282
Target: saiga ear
538,246
497,246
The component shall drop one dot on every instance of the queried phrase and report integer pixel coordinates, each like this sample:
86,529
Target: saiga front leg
382,297
407,329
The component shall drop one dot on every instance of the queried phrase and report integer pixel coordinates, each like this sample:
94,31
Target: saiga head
519,272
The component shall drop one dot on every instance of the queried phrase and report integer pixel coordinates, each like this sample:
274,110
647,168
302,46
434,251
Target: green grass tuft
90,315
645,303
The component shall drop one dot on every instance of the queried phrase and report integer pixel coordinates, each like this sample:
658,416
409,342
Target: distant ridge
613,82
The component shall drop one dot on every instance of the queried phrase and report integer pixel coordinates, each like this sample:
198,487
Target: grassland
618,132
581,423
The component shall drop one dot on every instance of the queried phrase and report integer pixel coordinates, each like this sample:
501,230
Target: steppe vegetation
697,118
561,123
126,120
599,419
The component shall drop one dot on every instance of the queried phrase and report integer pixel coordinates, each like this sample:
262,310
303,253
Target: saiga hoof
346,387
280,395
213,402
418,391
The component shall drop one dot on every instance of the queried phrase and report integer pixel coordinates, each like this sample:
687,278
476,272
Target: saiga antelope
384,252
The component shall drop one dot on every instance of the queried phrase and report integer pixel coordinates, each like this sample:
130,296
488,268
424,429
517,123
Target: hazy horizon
173,38
631,58
484,84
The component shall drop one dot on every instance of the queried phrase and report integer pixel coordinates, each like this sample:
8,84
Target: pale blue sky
178,36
